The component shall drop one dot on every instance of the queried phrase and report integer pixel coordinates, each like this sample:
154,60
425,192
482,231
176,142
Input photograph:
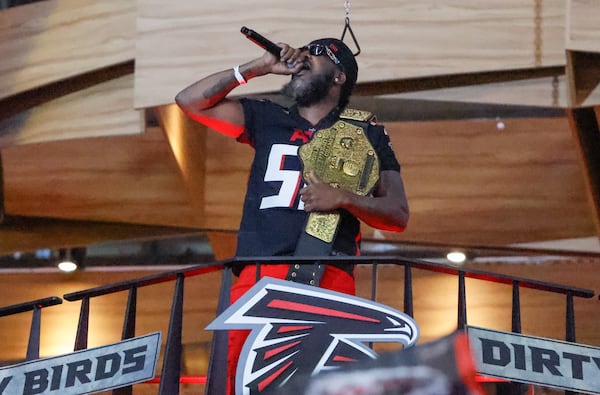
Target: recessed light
67,266
456,257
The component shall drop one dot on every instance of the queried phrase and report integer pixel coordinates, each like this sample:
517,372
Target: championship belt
343,157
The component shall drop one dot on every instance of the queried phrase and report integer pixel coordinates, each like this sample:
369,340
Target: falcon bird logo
297,331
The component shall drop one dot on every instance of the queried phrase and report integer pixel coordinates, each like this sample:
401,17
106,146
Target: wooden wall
467,182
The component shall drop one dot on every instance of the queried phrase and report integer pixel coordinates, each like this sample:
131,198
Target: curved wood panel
132,179
52,40
105,109
467,182
399,39
470,183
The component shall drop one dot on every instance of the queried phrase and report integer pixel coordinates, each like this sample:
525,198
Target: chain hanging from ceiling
348,28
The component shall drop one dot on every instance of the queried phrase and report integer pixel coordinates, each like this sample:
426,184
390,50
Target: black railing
216,377
33,345
171,369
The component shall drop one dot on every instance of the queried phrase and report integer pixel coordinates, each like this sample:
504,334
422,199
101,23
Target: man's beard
312,92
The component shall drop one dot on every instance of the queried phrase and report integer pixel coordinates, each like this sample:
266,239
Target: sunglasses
320,49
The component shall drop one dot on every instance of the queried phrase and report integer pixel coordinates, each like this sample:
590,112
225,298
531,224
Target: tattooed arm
205,100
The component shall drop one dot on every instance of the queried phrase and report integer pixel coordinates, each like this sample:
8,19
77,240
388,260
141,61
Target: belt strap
306,273
318,235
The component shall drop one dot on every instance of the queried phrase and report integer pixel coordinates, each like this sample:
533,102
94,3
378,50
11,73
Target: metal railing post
408,290
128,331
374,271
516,308
216,381
171,371
515,387
81,339
462,301
570,325
33,346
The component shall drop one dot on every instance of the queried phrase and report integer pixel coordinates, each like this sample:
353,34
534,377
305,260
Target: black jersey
273,216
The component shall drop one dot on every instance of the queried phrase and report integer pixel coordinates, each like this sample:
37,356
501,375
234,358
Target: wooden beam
585,127
436,83
535,98
27,100
132,179
469,182
105,109
49,41
400,108
583,70
27,234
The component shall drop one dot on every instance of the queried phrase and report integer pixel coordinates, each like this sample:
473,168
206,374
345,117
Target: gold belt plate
343,157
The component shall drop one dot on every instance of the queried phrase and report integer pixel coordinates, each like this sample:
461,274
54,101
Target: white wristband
238,76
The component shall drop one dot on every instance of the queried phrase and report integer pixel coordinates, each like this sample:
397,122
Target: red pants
333,279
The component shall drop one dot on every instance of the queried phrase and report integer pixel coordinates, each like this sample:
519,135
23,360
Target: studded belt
312,273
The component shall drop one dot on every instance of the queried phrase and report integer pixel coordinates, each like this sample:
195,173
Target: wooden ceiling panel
131,179
49,41
103,109
467,182
582,23
398,39
470,183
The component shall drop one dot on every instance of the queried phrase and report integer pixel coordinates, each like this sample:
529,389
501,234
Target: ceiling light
500,123
456,257
66,263
67,266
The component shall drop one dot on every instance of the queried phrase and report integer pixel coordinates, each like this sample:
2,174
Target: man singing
278,198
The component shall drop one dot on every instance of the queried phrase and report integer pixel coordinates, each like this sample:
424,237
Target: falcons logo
298,331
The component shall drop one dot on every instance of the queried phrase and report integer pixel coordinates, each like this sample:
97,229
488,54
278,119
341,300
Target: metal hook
348,28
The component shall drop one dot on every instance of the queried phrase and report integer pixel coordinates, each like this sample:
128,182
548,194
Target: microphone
261,41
